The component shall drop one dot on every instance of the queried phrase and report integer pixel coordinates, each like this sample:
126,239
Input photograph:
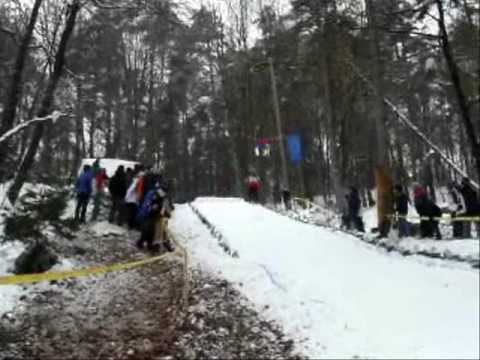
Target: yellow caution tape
62,275
447,218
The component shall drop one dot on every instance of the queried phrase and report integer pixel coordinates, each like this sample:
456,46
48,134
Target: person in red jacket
253,186
100,183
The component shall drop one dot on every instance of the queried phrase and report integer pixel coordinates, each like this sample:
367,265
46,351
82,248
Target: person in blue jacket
83,189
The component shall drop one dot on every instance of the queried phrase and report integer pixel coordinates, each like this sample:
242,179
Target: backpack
147,208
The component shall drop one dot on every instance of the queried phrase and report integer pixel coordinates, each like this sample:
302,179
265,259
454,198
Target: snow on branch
112,5
20,127
406,121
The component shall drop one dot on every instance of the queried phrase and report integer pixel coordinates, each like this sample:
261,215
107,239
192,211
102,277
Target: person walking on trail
165,213
472,207
155,207
96,167
118,189
401,210
129,176
253,187
83,189
429,213
100,183
456,206
354,205
132,199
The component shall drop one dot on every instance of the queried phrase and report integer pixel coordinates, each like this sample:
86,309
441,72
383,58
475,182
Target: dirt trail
136,314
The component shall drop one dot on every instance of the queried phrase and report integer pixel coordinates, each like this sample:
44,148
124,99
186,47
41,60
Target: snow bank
9,294
336,296
467,248
104,228
110,165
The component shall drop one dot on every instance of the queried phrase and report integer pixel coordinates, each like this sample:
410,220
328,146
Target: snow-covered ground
458,249
9,294
336,296
10,250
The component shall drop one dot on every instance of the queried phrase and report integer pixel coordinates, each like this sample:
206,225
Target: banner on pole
295,148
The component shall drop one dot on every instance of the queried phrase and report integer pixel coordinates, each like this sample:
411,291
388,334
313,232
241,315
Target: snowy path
336,296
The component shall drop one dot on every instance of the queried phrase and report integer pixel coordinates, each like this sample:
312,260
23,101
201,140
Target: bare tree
46,103
14,93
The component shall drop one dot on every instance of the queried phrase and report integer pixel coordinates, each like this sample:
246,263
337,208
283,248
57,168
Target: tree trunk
330,111
384,181
150,136
460,94
15,92
46,104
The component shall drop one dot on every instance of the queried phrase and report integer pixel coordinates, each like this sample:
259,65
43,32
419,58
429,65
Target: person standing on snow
429,213
96,167
129,175
456,206
253,187
472,207
132,199
155,206
100,182
401,209
354,205
83,189
118,189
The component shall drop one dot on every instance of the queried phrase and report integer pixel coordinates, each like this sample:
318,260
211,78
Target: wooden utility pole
278,121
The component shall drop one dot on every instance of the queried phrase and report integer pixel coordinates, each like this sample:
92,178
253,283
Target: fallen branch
20,127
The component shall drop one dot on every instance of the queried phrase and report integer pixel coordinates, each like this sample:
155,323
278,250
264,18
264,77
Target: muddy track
136,314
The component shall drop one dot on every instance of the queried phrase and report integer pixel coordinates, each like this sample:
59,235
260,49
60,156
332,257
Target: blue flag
295,148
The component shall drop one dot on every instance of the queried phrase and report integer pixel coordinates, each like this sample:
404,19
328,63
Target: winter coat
456,203
132,195
253,183
401,203
100,181
433,210
84,183
420,201
425,206
149,181
354,203
155,203
118,185
470,198
140,187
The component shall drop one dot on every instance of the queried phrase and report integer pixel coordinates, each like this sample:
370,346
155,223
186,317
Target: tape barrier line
395,216
62,275
448,218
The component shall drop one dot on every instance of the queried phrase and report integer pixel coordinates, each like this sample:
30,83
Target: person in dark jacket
354,204
83,189
152,208
472,206
429,213
129,175
457,208
401,209
118,189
